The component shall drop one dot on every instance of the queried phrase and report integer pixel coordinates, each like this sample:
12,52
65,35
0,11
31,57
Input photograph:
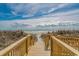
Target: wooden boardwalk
38,49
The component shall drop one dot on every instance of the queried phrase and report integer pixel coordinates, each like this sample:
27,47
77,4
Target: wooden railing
19,48
61,48
73,42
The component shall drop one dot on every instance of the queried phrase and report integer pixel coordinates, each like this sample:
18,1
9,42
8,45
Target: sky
29,15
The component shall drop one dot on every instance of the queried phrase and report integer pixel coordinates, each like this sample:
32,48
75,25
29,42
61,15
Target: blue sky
29,15
31,11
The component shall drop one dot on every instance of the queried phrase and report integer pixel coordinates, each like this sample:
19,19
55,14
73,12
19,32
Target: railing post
51,47
26,46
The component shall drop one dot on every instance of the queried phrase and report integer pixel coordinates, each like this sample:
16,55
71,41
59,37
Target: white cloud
58,7
48,20
69,13
41,21
31,8
14,13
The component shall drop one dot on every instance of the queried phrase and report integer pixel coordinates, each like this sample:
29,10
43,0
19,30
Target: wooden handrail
10,47
73,50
